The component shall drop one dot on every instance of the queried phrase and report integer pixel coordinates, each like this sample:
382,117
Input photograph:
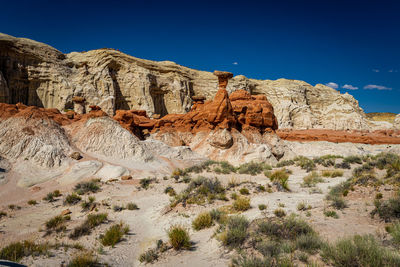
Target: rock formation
396,123
37,74
362,137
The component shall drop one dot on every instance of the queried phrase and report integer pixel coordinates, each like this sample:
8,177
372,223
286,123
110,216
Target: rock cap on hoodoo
223,74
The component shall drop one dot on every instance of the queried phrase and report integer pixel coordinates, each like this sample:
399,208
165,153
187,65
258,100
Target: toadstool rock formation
34,73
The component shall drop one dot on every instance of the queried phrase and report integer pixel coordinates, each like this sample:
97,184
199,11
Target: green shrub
203,220
331,213
343,165
57,223
262,207
279,213
86,227
149,256
91,186
332,173
338,203
253,168
117,208
303,207
218,216
278,175
252,261
132,206
16,251
32,202
57,193
353,160
89,204
170,191
241,204
388,209
179,237
359,251
145,182
378,196
85,259
269,248
394,231
49,197
72,199
281,178
339,190
236,232
114,234
285,163
312,179
244,191
199,190
305,163
287,228
308,242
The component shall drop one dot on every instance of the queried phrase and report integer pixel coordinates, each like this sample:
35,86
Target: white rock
80,170
110,172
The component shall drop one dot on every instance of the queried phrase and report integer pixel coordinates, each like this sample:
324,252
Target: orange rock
126,177
65,212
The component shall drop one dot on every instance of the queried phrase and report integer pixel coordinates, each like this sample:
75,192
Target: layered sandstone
37,74
362,137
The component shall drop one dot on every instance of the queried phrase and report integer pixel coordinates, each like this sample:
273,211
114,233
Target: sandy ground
150,222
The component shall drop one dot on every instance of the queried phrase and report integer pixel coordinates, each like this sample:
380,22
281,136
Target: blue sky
351,44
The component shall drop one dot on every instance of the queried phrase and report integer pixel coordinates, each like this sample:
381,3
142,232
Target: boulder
220,138
75,155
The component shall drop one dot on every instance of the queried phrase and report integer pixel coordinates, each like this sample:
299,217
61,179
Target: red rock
363,137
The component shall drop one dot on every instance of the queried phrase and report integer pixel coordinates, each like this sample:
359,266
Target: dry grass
381,116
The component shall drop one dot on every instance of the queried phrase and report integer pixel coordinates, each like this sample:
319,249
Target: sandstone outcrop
37,74
396,123
30,133
362,137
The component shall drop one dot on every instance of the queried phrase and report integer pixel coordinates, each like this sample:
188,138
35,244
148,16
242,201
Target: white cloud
235,63
349,87
375,70
378,87
332,85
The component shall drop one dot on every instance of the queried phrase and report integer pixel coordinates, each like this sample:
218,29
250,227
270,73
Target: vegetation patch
85,259
92,221
280,179
312,179
199,190
241,204
359,251
114,234
179,237
203,220
72,199
16,251
91,186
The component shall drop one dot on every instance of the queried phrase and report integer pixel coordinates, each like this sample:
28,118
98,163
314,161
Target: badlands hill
36,74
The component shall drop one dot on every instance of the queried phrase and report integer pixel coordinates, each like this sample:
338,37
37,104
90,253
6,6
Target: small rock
65,212
126,177
76,155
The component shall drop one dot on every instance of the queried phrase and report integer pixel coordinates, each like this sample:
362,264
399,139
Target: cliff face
37,74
